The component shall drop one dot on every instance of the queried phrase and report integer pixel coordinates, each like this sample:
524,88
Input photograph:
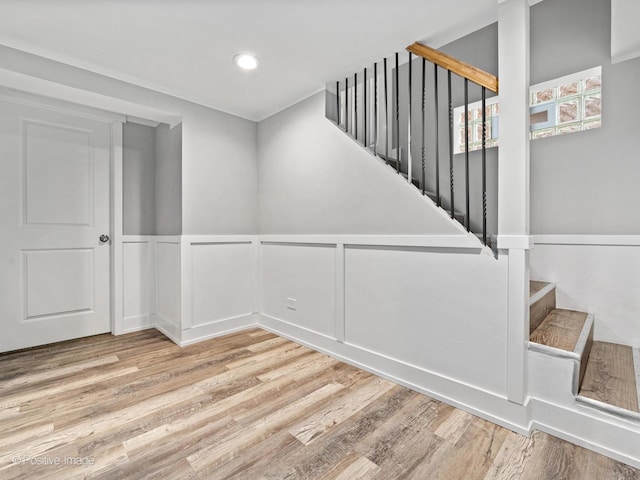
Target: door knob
104,238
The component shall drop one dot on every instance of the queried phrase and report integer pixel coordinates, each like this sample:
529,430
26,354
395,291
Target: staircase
402,112
606,376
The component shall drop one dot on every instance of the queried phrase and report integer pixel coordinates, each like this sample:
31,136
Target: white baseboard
586,430
167,328
137,323
218,329
203,332
484,404
138,328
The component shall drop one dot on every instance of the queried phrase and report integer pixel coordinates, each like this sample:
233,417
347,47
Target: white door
54,205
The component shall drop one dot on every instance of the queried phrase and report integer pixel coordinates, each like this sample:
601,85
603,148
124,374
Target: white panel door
54,206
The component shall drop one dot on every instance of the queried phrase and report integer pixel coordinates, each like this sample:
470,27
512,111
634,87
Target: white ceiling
184,47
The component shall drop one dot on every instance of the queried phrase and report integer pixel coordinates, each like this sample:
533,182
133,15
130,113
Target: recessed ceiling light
246,61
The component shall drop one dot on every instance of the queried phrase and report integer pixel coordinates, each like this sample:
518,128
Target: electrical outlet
291,303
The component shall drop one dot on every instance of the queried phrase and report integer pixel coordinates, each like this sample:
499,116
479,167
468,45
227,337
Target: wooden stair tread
610,376
560,329
535,287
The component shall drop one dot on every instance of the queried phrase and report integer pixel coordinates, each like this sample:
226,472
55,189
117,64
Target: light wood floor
247,406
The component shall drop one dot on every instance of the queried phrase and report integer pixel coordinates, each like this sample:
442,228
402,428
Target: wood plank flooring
610,376
247,406
560,329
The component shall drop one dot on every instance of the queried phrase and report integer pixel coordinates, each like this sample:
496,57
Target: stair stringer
555,409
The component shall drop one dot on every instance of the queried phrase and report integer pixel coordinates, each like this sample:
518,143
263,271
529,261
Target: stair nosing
553,351
539,295
608,408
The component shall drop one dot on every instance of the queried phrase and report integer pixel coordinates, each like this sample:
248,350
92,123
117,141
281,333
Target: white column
513,159
513,183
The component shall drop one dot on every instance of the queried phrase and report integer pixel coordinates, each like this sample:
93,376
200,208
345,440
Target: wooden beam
458,67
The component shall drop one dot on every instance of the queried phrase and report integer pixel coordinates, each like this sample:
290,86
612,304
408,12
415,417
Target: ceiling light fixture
246,61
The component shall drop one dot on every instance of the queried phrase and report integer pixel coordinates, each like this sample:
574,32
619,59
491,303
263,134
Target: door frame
116,122
117,274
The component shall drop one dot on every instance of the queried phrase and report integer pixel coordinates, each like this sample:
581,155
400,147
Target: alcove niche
152,178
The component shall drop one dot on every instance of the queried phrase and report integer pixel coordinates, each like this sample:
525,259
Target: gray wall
219,174
219,151
586,182
139,178
168,180
313,179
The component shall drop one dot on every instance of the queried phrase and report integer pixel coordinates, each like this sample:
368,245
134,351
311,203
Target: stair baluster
386,115
364,107
409,158
450,102
422,145
355,106
338,103
397,75
484,165
437,127
466,154
375,108
366,127
346,104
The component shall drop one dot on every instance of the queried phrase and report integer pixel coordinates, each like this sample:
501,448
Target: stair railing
380,127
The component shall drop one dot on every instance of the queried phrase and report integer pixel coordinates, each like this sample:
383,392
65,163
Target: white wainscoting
430,317
299,285
423,314
222,281
219,285
446,309
139,291
190,287
597,274
168,287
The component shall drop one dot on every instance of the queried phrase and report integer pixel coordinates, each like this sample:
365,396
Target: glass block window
474,125
564,105
572,104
